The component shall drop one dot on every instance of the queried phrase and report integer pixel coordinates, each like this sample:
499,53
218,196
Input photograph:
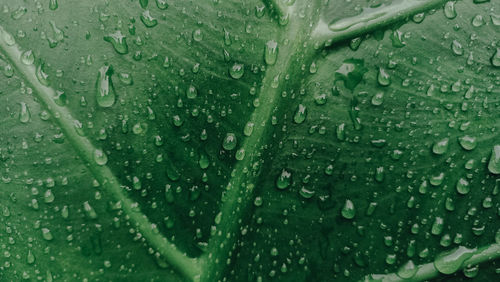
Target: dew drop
237,71
284,179
348,210
463,186
495,59
105,92
468,142
457,48
408,270
449,10
383,78
24,114
100,157
27,57
300,114
271,52
451,261
162,4
118,41
47,235
148,20
441,146
229,142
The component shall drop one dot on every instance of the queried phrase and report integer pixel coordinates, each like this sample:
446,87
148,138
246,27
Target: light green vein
329,32
428,271
188,267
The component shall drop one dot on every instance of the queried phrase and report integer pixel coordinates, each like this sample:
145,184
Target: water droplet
197,35
100,157
449,10
495,19
162,4
457,48
383,78
148,20
495,59
27,57
89,210
478,21
229,142
17,14
30,259
348,210
494,163
408,270
24,114
105,93
144,3
119,42
271,52
378,99
351,72
47,235
53,5
463,186
191,92
306,193
240,154
48,196
468,142
248,128
41,75
284,179
441,146
237,71
300,114
437,226
397,39
451,261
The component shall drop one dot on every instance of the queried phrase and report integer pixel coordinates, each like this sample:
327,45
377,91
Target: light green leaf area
224,140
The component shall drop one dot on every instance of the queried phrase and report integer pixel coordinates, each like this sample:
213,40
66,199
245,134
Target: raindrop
105,92
284,179
494,163
100,157
229,142
348,210
237,71
119,42
24,114
300,114
271,52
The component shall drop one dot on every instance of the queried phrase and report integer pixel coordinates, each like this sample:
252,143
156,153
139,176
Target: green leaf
225,140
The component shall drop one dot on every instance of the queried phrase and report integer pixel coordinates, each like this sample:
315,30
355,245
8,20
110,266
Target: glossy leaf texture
224,140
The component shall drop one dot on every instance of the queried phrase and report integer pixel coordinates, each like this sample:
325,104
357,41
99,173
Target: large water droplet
441,146
119,42
451,261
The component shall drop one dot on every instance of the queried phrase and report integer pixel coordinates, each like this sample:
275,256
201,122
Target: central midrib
238,195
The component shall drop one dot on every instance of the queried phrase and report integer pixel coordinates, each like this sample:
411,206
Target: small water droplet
27,57
463,186
24,114
383,78
348,210
300,114
148,20
441,146
495,59
229,142
100,157
237,71
284,179
271,52
105,92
